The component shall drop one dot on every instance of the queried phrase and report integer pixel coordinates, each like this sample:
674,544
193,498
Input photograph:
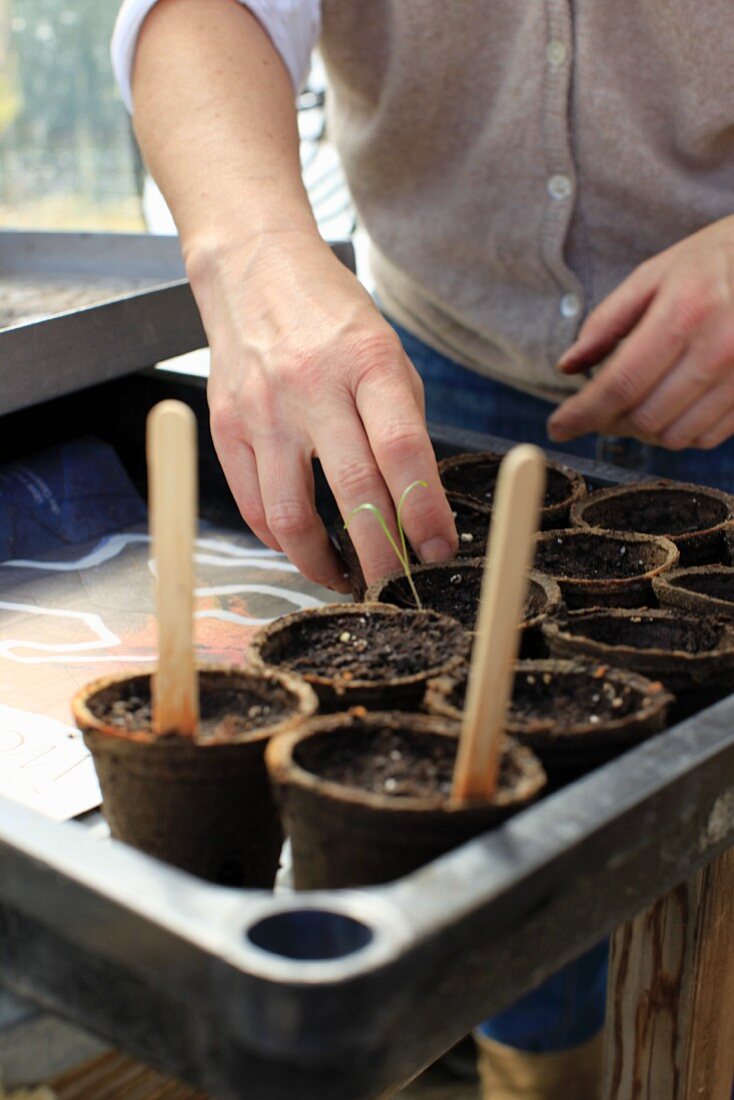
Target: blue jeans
463,399
569,1007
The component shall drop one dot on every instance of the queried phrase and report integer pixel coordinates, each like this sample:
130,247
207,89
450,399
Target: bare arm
302,362
215,118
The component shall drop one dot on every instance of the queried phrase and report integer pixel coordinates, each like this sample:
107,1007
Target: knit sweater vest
514,160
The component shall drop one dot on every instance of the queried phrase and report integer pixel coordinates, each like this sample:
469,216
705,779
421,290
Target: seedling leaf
401,551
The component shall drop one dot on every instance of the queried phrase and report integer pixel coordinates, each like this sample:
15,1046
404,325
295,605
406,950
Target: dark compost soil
224,715
663,512
390,762
365,647
594,557
479,479
647,632
451,588
472,525
541,697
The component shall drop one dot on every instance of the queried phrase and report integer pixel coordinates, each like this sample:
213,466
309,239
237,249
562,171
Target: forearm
302,362
216,121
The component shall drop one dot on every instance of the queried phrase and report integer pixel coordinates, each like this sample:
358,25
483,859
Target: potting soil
390,762
594,557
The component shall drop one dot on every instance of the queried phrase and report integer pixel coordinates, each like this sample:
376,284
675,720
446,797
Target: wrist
208,254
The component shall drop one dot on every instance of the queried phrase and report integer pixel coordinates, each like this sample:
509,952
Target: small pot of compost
452,588
700,589
603,568
573,715
362,654
475,476
367,798
202,803
692,657
699,520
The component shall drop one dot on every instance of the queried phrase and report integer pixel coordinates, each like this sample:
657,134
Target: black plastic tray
264,996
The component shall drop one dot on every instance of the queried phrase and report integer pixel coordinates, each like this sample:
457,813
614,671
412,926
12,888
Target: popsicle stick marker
512,531
172,500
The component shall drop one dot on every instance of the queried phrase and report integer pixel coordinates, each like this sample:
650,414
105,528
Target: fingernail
555,430
340,584
435,550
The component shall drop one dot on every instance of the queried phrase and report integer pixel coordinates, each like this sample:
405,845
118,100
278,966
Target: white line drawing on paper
222,554
88,652
103,644
58,652
301,600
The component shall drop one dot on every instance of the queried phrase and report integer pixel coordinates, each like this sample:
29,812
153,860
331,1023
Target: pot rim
549,585
87,722
653,698
284,769
667,579
336,683
577,484
555,628
474,504
685,487
590,584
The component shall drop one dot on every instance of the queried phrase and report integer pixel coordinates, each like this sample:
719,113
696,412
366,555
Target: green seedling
401,551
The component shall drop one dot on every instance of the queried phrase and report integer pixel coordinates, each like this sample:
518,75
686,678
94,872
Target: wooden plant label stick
504,586
172,500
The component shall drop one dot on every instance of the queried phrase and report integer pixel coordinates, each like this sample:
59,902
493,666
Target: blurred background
68,158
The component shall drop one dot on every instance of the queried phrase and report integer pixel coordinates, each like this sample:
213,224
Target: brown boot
510,1074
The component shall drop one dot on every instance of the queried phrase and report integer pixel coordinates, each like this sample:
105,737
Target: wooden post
504,585
172,509
670,1005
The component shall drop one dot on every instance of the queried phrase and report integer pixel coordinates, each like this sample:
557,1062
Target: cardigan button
560,187
570,305
556,52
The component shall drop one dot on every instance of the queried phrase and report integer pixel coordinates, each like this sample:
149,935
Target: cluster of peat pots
342,726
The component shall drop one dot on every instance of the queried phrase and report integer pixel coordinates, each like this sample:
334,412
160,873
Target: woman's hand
303,365
302,362
667,335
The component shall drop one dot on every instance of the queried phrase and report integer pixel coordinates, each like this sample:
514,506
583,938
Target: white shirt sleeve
293,26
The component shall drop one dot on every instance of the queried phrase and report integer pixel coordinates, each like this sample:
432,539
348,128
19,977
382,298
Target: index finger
627,377
611,321
403,451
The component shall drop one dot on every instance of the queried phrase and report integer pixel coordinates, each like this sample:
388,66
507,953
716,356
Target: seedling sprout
401,551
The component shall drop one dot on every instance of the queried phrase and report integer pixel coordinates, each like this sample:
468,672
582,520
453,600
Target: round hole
313,934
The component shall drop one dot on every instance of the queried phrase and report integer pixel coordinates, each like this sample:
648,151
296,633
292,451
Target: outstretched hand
303,365
666,340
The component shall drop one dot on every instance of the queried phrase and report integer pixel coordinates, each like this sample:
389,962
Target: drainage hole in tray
314,934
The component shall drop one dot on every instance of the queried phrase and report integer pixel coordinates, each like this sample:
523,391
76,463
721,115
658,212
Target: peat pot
475,476
603,568
699,520
692,657
203,804
699,589
366,654
472,527
574,715
453,588
366,798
